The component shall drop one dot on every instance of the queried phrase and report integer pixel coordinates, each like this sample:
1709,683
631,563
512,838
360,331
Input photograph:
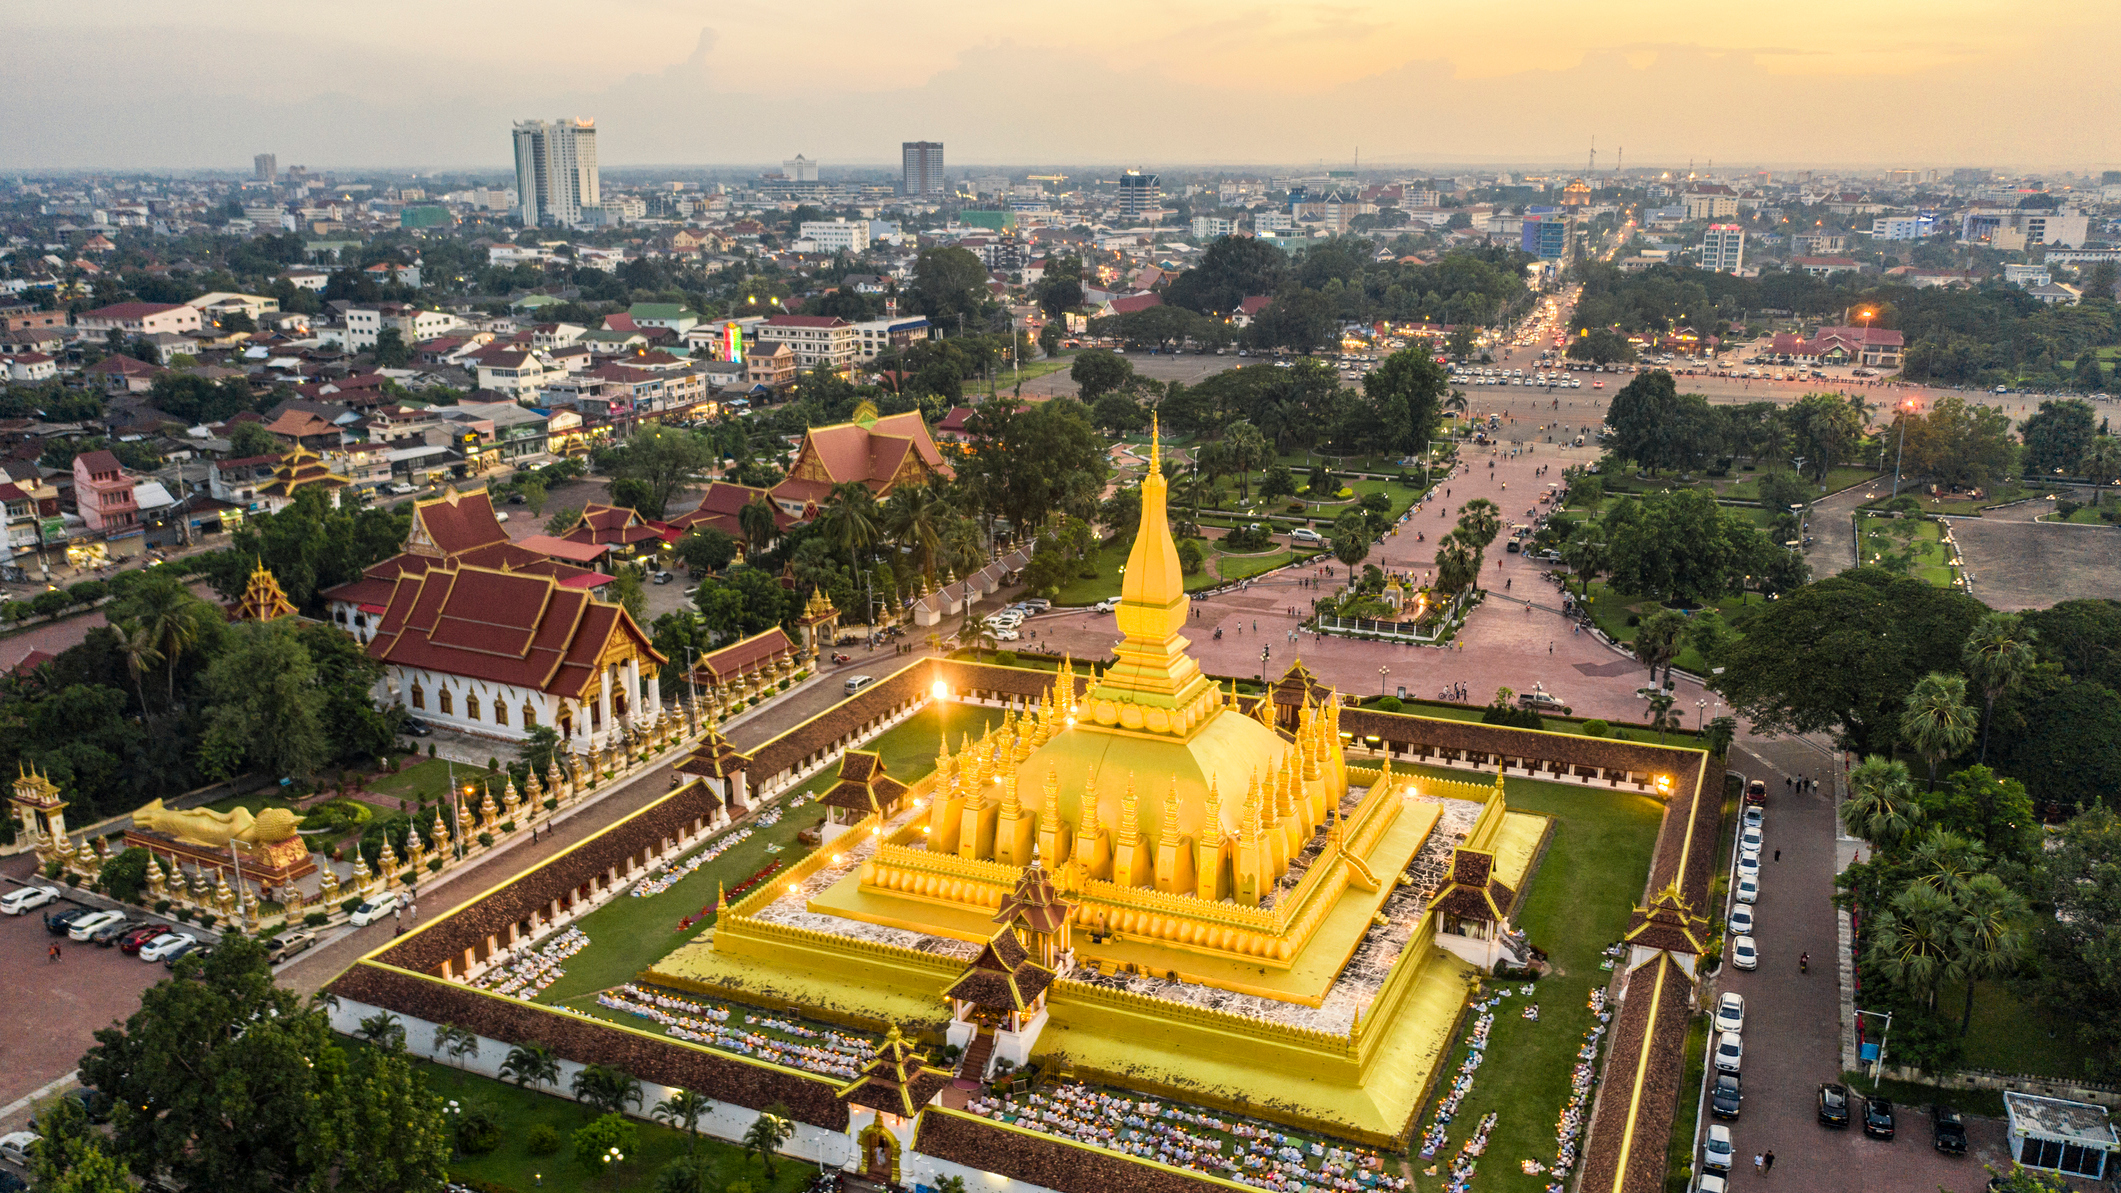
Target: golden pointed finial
1168,831
1211,825
721,897
1156,453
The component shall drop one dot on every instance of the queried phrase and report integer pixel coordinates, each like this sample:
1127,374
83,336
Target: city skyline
1281,86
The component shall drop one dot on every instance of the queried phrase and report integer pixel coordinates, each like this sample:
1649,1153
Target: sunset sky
1096,82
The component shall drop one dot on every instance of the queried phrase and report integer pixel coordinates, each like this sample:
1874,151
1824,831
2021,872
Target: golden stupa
1217,888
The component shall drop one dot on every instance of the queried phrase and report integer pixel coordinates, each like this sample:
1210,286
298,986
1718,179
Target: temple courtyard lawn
628,935
512,1166
1580,898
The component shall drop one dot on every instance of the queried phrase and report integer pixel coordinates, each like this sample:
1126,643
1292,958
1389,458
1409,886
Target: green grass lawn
1745,486
254,803
1240,567
1579,904
2085,515
1088,590
2010,1035
1932,559
422,781
513,1167
1611,611
628,934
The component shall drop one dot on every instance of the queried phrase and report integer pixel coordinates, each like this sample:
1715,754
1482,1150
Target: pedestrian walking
1767,1162
1759,1164
1778,855
398,918
1550,646
53,956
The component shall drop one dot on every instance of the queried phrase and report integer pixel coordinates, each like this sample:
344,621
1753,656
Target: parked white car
1744,954
86,926
1730,1050
1751,839
1304,534
1730,1012
14,1148
1748,889
1741,920
1755,815
1748,865
374,908
162,947
27,898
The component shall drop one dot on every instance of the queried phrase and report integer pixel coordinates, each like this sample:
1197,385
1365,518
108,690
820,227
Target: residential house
508,434
138,319
772,366
29,366
103,494
513,370
221,302
1820,267
364,324
817,340
676,317
236,481
123,375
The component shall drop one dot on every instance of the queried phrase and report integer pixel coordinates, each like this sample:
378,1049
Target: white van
856,683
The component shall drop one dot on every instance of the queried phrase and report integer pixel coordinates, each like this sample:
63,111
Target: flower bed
663,879
778,1041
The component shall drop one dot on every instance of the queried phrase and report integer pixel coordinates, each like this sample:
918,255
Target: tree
1406,395
705,549
606,1088
666,460
850,521
1994,812
756,519
391,351
1232,269
1298,319
1118,414
458,1042
384,1030
2079,946
168,620
1028,461
1825,429
767,1133
221,1080
1480,521
1914,942
631,492
689,1173
606,1141
531,1065
949,282
264,705
629,591
71,1156
1244,448
1190,556
1958,443
2058,435
684,1109
1351,537
1457,564
563,520
1658,640
1843,653
1938,724
124,876
1098,371
1998,655
1059,291
1881,807
1601,346
534,494
249,439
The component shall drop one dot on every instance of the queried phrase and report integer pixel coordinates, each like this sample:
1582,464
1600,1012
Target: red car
1756,792
131,941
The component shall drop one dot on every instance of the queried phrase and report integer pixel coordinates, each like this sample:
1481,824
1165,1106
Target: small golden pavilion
1177,892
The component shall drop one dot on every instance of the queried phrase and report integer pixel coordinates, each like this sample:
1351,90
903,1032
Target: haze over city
167,86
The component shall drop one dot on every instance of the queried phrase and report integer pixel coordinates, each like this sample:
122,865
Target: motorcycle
842,658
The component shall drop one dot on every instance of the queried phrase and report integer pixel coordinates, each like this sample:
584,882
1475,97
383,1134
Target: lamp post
1265,652
1382,671
1905,408
1701,713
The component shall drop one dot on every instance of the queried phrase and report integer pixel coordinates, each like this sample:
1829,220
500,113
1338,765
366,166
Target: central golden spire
1153,683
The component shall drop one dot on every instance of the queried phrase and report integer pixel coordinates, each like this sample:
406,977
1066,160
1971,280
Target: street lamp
1906,408
1701,713
1382,671
1265,652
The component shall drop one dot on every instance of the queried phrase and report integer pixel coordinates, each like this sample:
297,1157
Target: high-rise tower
556,170
923,168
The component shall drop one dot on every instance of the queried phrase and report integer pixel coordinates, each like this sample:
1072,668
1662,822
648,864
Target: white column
604,704
631,669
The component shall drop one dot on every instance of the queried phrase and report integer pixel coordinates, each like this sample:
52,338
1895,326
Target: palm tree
1662,718
1998,656
849,520
1658,639
140,654
168,616
766,1135
1457,564
1456,403
1481,521
1992,933
755,519
1586,555
688,1174
606,1087
1914,943
457,1041
912,517
979,636
1938,723
383,1029
686,1108
1881,806
531,1065
1947,861
1244,448
2102,464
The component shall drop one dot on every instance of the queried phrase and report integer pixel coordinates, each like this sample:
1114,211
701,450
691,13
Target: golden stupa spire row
1129,814
1168,830
1211,827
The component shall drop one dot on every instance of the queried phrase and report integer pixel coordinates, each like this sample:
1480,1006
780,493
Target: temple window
449,705
471,706
530,717
419,697
500,713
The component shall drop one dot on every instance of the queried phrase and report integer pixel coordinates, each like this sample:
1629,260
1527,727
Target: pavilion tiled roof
747,654
863,786
1003,976
512,628
611,525
721,505
1035,902
898,1080
715,757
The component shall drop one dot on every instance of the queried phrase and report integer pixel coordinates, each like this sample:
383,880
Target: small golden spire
1156,455
1211,827
1129,814
1168,831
